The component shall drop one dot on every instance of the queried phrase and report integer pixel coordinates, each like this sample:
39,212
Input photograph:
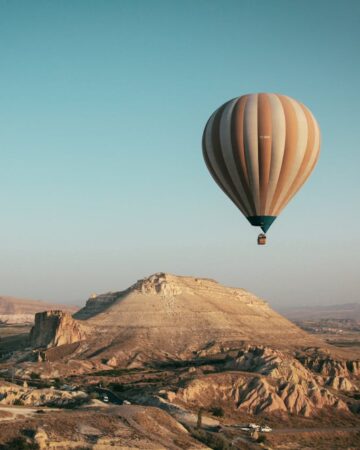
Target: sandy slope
181,315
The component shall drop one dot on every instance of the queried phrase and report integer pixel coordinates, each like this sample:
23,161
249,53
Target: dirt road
18,412
313,430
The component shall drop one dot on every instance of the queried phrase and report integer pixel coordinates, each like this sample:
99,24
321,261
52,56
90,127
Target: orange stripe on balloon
290,149
228,187
302,173
237,131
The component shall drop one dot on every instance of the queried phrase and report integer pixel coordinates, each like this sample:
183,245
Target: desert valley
173,362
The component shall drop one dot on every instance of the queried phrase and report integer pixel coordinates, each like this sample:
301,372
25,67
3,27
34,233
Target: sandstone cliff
55,328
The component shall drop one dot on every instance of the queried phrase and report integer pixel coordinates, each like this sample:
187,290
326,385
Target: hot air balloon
260,149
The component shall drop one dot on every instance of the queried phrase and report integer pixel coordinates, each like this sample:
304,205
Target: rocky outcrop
254,395
353,367
329,367
12,394
340,384
160,283
55,328
267,361
274,381
287,369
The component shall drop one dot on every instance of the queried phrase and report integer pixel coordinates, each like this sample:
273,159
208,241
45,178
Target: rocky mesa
167,317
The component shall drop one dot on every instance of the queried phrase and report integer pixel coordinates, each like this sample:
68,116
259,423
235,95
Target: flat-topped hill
180,316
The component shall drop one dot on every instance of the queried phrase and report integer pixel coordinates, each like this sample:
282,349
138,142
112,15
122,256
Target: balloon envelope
260,149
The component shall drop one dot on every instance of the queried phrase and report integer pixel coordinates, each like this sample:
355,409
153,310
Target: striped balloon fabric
260,149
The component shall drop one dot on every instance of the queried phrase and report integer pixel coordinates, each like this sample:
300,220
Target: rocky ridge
326,365
253,395
260,379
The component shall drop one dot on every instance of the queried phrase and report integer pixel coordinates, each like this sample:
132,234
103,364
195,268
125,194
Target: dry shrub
19,443
215,442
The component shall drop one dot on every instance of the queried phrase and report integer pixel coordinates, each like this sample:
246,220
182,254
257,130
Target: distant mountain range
21,306
343,311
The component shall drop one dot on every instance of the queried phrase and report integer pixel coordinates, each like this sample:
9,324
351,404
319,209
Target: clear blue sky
102,108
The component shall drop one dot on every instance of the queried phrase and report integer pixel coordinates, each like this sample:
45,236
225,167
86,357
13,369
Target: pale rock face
159,283
340,384
55,328
112,362
284,385
354,367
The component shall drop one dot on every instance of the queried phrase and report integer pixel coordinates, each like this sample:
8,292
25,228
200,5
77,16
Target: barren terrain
172,351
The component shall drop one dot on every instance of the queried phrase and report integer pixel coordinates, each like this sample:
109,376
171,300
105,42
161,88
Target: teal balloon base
264,222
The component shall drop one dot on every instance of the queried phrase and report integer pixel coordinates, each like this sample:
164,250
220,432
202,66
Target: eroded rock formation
55,328
328,366
11,394
274,382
